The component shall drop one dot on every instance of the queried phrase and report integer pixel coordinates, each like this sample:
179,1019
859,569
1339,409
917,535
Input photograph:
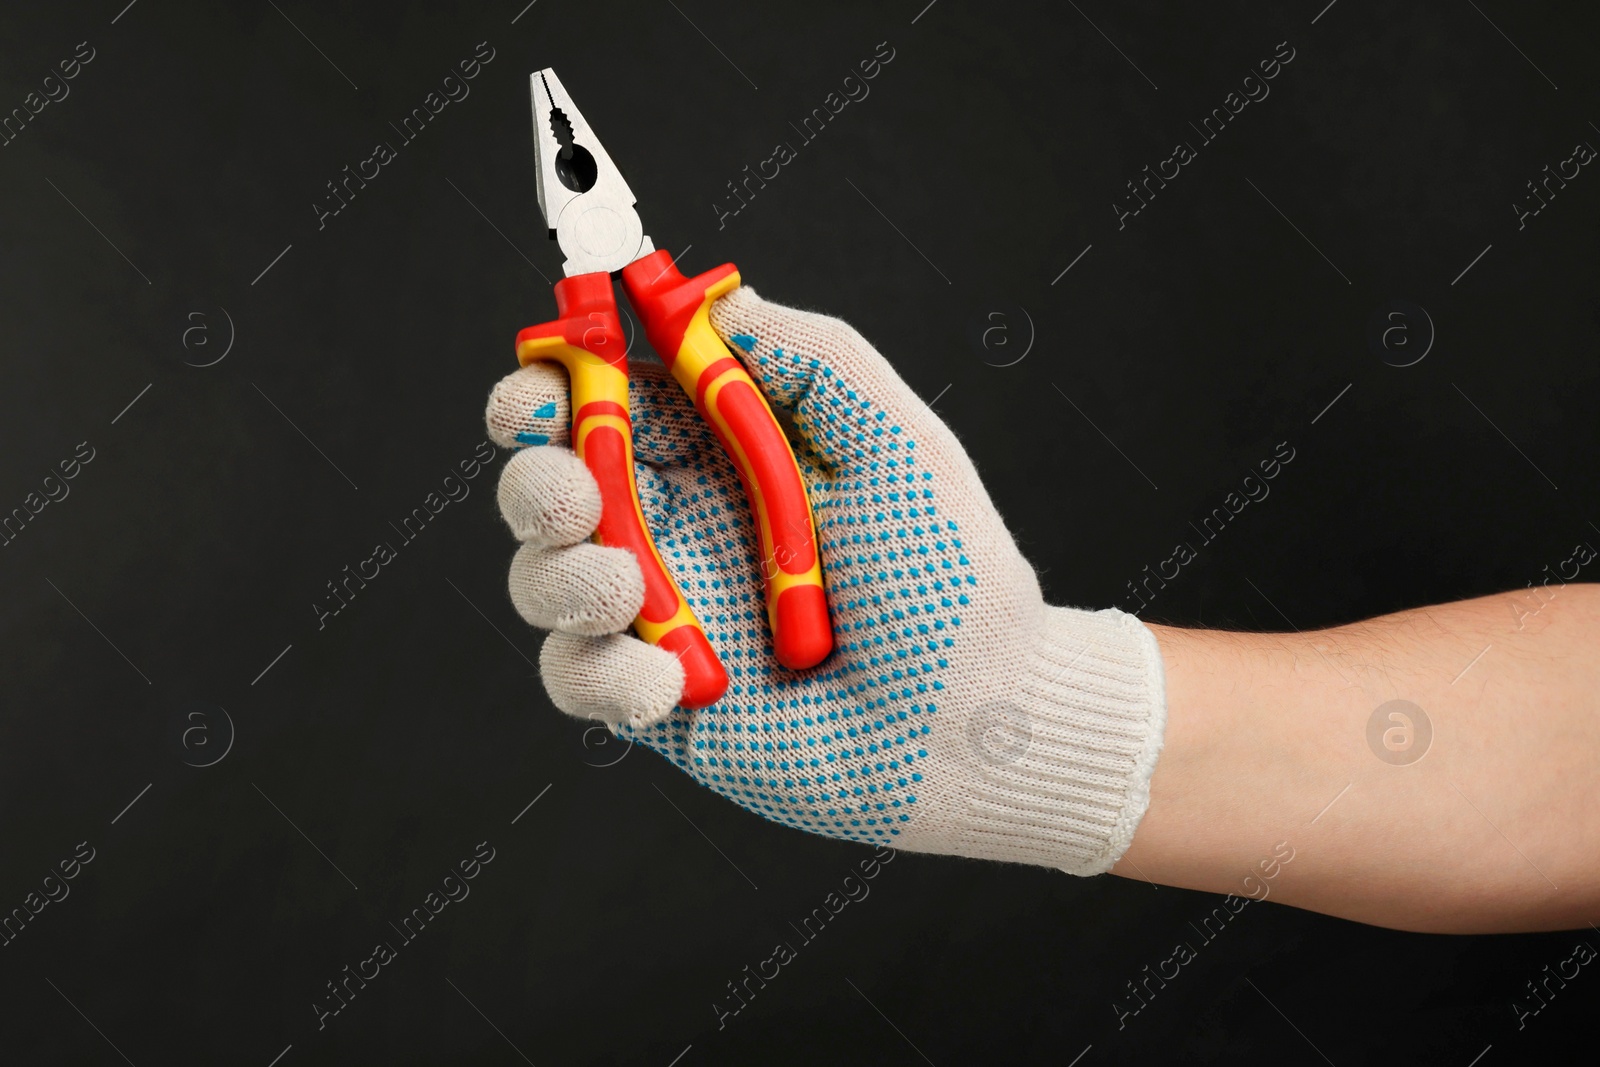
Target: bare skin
1495,829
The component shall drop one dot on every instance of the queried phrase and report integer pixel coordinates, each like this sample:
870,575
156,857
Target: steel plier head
586,203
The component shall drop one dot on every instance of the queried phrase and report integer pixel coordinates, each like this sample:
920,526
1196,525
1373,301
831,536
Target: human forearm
1496,827
961,714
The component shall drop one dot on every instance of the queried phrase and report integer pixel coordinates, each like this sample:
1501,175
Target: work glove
958,713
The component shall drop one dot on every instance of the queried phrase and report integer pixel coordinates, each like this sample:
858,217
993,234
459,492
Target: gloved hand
958,713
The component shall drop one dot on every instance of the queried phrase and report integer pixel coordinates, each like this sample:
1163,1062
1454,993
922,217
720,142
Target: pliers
590,211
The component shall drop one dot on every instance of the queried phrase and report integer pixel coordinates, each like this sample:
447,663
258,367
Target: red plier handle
587,339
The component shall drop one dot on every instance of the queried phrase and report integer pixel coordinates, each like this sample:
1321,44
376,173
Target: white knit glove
958,713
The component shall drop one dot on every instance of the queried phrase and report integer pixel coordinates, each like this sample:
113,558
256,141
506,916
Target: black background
413,726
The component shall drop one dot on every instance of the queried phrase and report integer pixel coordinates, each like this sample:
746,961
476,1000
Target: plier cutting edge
590,211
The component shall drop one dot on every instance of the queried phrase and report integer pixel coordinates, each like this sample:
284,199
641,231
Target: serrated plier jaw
586,203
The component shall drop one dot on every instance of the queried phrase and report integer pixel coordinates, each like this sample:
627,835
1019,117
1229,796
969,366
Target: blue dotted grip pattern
840,749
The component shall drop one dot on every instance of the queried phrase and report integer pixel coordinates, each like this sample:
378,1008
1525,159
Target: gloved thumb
839,392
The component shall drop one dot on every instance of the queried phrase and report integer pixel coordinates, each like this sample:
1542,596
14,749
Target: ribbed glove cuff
1058,770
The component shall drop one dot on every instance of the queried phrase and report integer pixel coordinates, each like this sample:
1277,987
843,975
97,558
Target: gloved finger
530,406
618,678
844,398
581,589
533,406
548,497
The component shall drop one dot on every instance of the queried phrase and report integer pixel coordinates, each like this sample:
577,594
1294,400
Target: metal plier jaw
586,203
